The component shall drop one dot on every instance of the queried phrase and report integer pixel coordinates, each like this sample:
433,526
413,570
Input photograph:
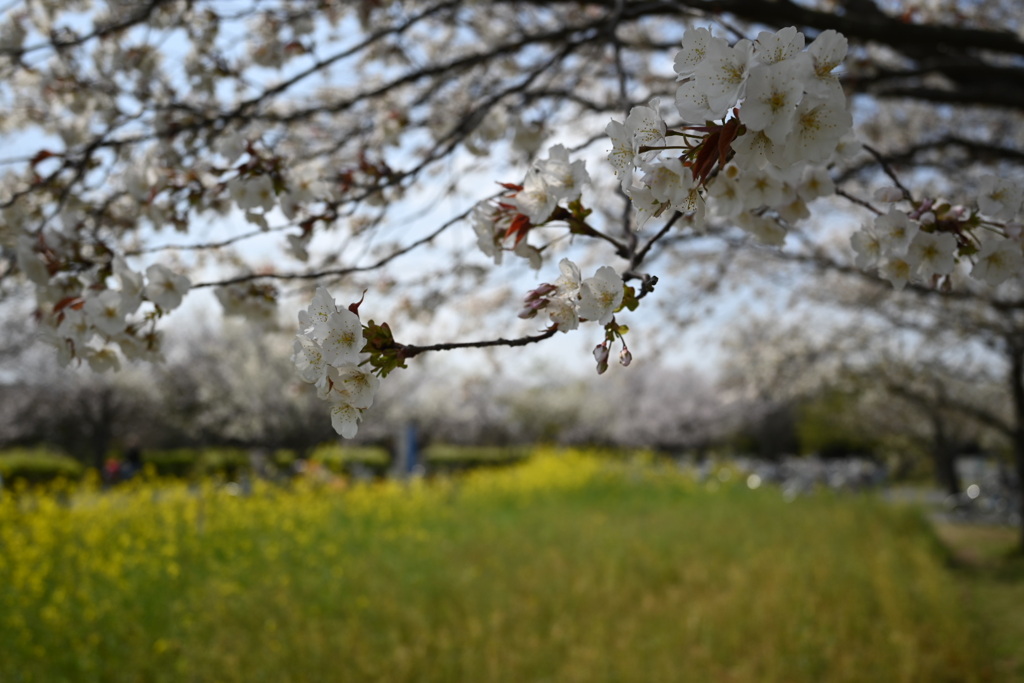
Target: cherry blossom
772,48
997,261
256,192
759,105
933,253
644,127
328,352
868,247
1000,197
817,129
343,342
897,270
256,303
164,287
345,419
104,311
827,52
572,299
723,75
773,94
600,295
696,44
894,230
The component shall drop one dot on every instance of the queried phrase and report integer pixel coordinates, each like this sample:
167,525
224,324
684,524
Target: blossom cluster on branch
572,299
760,122
89,311
550,193
328,353
923,240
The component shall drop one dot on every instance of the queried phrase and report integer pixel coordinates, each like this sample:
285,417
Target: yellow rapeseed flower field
565,568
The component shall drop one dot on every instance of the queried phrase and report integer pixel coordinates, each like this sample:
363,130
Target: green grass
562,569
990,568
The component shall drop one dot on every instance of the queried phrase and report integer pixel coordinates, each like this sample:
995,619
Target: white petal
345,419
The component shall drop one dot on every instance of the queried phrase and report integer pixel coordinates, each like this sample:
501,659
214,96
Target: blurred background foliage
226,400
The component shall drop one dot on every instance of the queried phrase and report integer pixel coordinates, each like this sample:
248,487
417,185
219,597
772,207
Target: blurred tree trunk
944,455
1016,353
100,413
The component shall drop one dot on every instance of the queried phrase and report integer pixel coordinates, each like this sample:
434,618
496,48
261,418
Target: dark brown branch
338,272
205,245
328,61
858,201
144,12
410,351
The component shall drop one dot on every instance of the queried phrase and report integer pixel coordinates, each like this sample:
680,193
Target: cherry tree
409,161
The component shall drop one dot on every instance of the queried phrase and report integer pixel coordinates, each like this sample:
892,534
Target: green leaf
629,300
385,353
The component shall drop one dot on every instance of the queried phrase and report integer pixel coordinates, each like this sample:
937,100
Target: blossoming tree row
151,143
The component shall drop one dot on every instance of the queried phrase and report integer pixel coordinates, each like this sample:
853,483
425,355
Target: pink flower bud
543,290
601,356
625,357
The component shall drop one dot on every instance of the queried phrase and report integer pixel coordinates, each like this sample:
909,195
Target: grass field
990,568
562,569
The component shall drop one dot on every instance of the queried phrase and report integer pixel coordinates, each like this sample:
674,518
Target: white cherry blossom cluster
494,225
923,241
258,187
328,353
550,184
254,302
572,299
760,118
90,310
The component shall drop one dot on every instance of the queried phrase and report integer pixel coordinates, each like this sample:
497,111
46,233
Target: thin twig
410,351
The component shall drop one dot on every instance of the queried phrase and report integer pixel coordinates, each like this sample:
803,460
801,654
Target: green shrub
343,460
224,462
183,463
37,465
446,458
283,458
179,463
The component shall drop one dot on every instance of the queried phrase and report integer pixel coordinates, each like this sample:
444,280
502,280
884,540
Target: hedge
37,466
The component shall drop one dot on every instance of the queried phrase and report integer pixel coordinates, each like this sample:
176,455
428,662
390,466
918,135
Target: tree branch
411,350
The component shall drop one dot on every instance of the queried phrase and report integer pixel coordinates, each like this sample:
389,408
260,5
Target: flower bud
531,307
625,357
601,356
541,291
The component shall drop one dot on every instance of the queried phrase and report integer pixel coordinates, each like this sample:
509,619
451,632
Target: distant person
132,464
111,471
